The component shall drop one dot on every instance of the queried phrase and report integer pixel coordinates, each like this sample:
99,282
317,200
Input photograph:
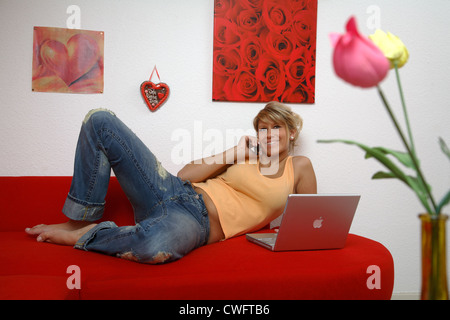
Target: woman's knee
99,113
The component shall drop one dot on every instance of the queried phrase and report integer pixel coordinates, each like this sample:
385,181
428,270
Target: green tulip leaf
375,153
444,147
403,157
443,202
383,175
379,154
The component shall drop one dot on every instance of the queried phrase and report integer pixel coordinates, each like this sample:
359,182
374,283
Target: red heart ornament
154,94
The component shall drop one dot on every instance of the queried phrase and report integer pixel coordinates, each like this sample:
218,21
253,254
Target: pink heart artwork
77,62
72,61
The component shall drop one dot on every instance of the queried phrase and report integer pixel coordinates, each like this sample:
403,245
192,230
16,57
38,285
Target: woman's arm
210,167
305,181
206,168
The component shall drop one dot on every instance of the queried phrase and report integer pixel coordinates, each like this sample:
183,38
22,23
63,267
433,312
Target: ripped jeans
171,218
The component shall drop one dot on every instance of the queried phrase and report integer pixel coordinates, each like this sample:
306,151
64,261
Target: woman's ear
292,134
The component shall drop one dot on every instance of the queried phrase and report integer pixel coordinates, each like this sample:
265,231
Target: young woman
211,199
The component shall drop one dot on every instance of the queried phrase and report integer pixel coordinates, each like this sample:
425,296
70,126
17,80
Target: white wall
38,131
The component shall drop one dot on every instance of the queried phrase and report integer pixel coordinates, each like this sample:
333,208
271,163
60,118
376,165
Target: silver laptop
311,222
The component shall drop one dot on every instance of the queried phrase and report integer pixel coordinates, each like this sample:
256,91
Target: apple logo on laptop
317,223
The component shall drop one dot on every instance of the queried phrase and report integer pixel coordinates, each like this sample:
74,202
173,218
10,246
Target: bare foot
66,233
68,226
64,237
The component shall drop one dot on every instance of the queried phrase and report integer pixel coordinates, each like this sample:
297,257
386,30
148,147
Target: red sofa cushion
237,268
241,270
232,269
27,201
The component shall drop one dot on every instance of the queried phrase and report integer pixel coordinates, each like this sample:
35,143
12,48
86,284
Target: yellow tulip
391,46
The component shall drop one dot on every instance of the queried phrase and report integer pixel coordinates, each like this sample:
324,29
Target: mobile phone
255,149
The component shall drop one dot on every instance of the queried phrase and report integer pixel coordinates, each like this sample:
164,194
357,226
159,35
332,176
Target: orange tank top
245,199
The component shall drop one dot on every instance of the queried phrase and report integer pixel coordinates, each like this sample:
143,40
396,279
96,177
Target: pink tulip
357,59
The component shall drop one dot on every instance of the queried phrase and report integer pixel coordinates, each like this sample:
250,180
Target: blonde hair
280,113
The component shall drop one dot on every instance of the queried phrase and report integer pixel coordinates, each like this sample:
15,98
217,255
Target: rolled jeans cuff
90,235
82,211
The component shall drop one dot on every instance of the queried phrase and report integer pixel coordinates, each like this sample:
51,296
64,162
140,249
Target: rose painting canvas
67,60
264,50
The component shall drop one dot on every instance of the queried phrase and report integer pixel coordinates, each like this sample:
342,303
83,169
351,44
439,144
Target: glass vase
434,268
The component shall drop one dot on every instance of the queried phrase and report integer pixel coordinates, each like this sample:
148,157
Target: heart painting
67,60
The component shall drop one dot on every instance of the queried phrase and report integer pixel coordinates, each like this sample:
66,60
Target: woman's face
273,138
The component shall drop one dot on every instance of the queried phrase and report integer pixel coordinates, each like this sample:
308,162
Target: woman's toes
42,237
62,237
38,229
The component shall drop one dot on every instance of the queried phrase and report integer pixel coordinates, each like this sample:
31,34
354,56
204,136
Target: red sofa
233,269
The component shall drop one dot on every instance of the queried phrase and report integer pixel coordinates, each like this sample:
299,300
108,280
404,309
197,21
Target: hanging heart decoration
154,94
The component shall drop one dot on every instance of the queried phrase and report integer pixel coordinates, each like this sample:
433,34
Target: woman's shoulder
301,162
304,176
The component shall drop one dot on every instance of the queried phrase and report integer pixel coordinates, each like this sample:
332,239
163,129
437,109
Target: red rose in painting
249,22
264,50
279,45
225,33
299,94
243,87
304,26
297,5
277,15
270,73
226,61
251,4
297,68
251,51
218,87
221,7
310,78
